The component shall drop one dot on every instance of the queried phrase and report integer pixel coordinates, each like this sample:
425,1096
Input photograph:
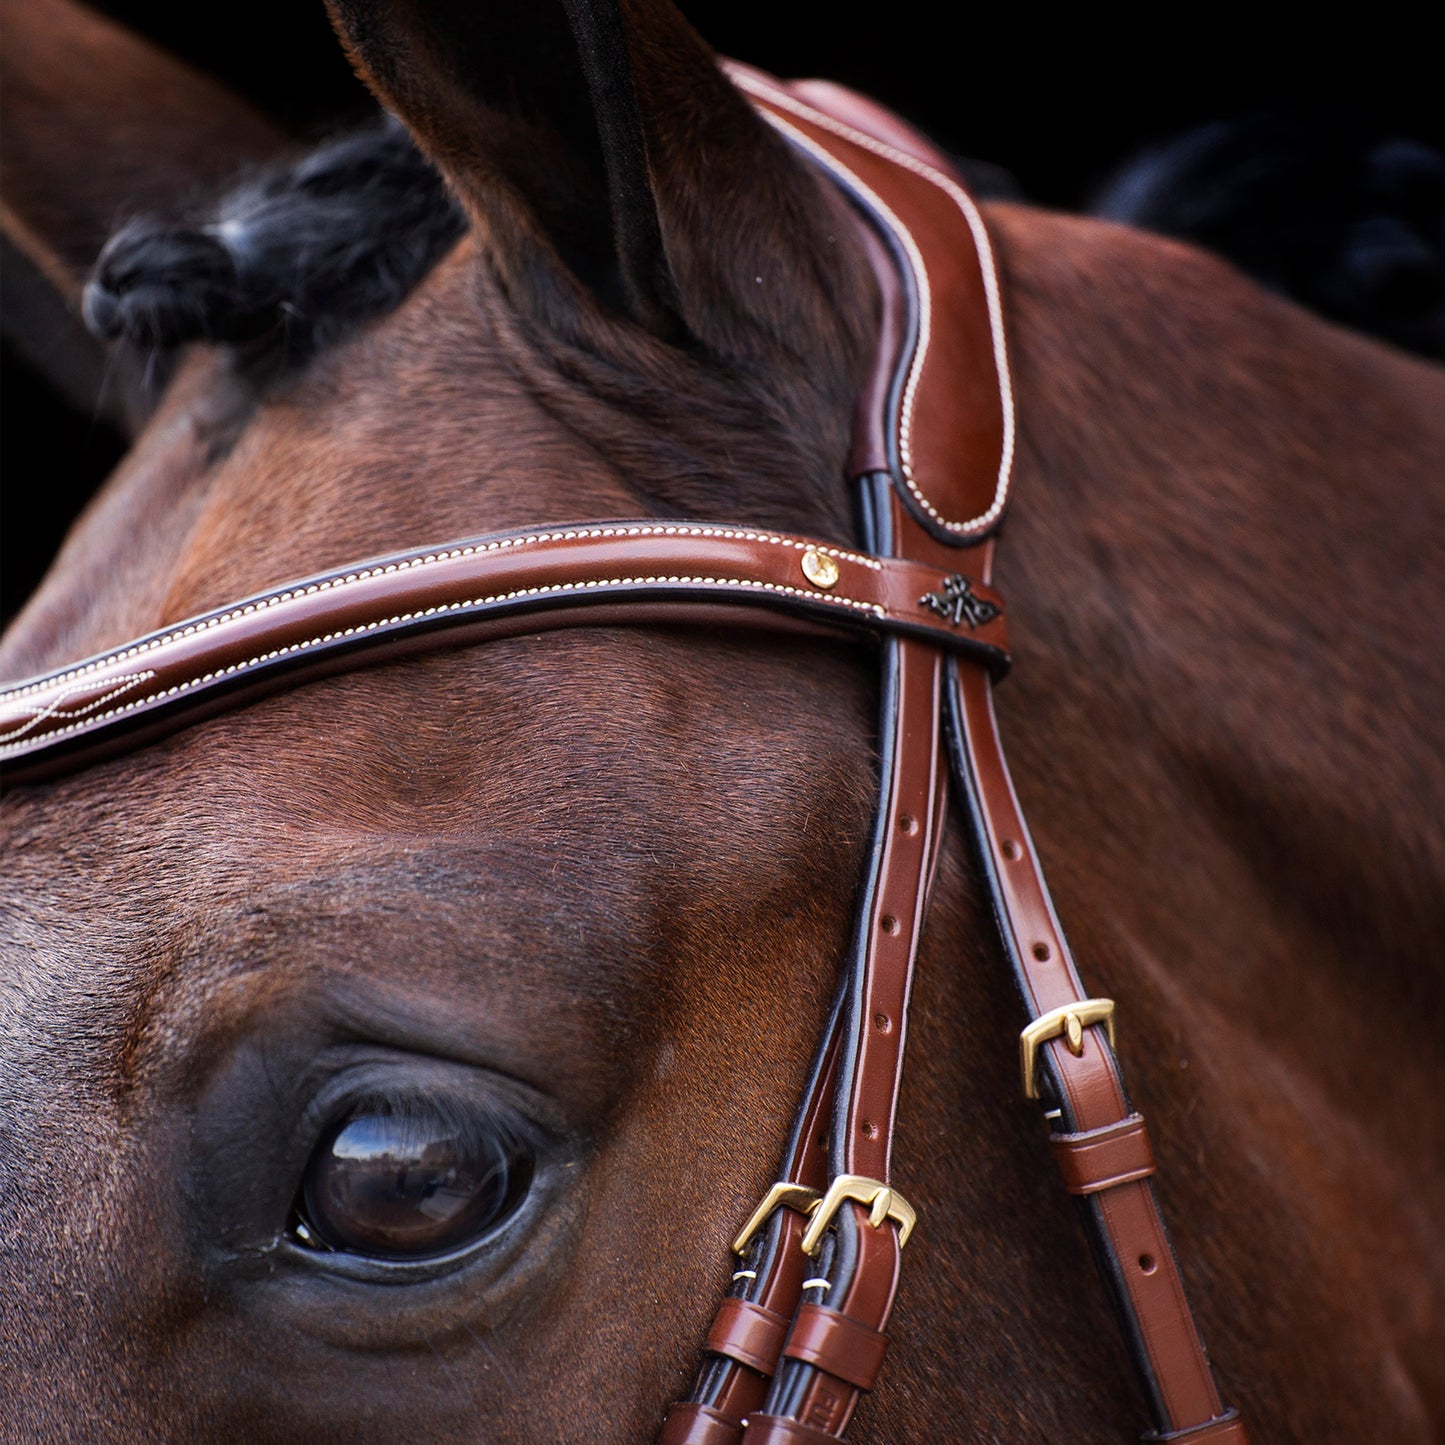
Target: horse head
554,924
538,899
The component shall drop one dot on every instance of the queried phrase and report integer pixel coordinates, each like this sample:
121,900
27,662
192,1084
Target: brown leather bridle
799,1337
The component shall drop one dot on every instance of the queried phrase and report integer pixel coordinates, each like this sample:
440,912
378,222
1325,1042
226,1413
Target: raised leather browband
485,587
799,1336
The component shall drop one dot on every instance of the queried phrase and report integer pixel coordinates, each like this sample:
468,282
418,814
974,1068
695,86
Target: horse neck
1225,676
1216,724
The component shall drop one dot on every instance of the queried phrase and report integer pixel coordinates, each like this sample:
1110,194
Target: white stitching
53,708
746,583
427,559
991,291
987,268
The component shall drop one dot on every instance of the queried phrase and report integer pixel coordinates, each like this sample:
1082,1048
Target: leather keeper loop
1225,1429
776,1430
1104,1158
693,1424
749,1334
836,1344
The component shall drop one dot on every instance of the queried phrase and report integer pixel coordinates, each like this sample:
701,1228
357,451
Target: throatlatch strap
1102,1148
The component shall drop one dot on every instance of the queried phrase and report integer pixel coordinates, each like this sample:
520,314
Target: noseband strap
800,1335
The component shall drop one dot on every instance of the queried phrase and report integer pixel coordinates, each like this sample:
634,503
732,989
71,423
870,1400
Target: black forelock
294,253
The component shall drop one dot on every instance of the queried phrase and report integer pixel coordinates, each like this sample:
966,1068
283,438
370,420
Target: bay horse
567,909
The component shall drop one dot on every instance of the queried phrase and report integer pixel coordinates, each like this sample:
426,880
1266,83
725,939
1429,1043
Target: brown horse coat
600,880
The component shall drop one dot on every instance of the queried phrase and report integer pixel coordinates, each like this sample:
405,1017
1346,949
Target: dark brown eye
395,1186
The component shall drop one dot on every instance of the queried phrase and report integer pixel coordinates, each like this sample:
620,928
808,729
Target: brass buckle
886,1202
793,1196
1067,1022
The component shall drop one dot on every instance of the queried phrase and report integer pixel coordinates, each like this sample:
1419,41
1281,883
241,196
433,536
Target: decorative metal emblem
957,603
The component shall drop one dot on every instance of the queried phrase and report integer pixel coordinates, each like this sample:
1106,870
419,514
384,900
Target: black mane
1342,214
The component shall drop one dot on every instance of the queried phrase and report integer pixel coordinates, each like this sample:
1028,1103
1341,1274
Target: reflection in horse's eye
406,1186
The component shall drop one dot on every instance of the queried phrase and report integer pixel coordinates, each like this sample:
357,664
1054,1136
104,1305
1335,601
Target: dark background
1058,99
1058,95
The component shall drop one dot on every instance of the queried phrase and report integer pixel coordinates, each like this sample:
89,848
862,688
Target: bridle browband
799,1336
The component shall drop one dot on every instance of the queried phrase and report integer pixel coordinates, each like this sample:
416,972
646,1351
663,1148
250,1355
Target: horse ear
600,134
97,123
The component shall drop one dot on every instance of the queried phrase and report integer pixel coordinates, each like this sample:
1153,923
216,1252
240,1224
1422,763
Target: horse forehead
558,812
417,429
431,423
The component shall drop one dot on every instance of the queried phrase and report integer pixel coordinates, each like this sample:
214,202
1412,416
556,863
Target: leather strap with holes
1101,1143
836,1344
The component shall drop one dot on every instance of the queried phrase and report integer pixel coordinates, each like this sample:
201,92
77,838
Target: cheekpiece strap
933,448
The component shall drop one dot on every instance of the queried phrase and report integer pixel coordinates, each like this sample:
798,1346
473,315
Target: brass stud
820,569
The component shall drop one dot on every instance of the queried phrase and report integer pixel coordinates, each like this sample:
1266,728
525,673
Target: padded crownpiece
944,427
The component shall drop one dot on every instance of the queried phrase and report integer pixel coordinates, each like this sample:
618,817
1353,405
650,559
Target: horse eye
406,1186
